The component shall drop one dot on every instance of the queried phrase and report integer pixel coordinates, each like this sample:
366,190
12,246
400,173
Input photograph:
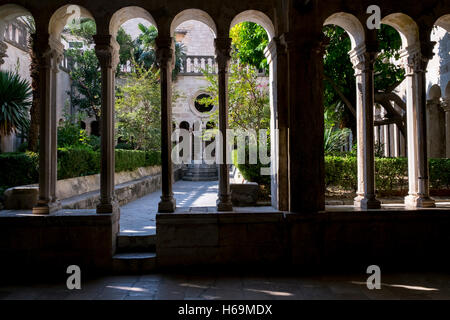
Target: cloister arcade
295,56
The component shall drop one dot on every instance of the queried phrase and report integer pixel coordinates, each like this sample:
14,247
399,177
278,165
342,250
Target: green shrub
77,161
251,172
152,158
391,174
23,168
18,169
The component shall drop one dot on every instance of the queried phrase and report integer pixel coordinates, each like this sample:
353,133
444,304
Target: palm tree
15,100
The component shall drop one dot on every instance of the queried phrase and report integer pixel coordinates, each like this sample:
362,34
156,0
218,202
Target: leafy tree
126,46
249,40
249,102
84,29
86,79
339,75
15,101
138,109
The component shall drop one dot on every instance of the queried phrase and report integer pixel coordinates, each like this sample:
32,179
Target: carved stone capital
165,52
445,104
305,46
107,51
223,53
362,60
415,59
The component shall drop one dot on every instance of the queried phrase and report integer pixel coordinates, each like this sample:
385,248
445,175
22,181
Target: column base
366,203
107,208
167,205
417,201
224,204
44,207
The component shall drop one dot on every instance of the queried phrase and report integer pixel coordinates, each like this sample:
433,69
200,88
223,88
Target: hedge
391,174
23,168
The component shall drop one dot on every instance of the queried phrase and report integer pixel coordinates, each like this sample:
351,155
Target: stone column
48,59
277,60
165,57
446,106
223,53
305,119
416,64
107,54
363,62
58,50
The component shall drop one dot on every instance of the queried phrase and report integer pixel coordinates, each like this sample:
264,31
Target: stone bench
83,192
244,194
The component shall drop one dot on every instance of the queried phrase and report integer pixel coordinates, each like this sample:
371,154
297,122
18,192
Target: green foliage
252,172
248,97
72,162
15,101
334,138
249,41
138,109
340,75
18,169
85,28
391,174
126,46
77,161
87,81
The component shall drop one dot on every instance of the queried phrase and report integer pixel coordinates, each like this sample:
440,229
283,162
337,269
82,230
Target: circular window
201,107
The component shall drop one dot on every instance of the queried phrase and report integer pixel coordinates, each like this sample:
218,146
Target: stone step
137,262
136,243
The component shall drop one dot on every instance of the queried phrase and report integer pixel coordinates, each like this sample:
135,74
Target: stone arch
444,22
10,12
350,24
405,26
61,17
193,14
127,13
257,17
435,92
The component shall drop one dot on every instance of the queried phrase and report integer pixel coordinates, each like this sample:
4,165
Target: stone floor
239,287
139,217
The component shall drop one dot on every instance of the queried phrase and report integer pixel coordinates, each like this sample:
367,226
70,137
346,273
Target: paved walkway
139,217
216,285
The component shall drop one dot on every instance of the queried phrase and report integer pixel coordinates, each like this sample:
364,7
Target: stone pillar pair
416,60
363,62
107,51
49,54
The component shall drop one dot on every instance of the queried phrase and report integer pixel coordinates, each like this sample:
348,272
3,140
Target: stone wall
330,241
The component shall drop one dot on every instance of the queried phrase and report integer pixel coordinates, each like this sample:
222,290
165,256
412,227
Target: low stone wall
83,192
35,245
403,240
